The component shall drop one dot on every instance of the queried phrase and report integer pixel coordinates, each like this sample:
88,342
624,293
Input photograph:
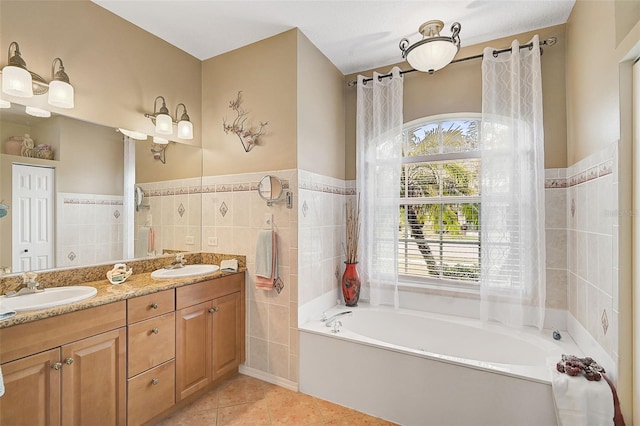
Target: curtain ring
379,78
495,53
530,46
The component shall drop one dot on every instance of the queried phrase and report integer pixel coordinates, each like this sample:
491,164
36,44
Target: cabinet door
227,336
32,390
94,380
193,349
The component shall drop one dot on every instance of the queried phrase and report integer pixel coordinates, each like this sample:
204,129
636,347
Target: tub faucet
332,319
178,262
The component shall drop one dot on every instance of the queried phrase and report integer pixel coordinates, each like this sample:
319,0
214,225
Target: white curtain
512,285
378,162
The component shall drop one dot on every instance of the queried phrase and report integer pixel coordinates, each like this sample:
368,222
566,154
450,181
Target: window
439,237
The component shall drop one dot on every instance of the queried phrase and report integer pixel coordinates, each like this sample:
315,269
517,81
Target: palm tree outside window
439,229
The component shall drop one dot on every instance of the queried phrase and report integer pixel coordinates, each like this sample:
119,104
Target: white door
32,224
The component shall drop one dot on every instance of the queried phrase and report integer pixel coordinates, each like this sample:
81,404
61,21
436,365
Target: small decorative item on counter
13,145
119,273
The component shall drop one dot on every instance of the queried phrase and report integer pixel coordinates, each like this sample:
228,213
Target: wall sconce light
19,81
164,122
434,51
159,149
37,112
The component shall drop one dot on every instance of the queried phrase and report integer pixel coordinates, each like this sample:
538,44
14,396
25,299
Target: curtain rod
548,42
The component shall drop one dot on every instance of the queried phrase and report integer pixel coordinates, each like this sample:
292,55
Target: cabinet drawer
151,393
151,343
150,305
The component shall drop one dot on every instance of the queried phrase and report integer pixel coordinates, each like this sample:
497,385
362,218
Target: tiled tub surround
90,229
174,213
232,216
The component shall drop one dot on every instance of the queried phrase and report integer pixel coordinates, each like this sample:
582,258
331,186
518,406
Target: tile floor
244,400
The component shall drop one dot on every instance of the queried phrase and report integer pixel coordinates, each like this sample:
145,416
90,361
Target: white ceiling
354,35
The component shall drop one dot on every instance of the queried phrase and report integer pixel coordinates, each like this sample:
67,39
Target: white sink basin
186,271
50,297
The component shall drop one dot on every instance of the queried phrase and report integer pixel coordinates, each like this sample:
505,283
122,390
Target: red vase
351,284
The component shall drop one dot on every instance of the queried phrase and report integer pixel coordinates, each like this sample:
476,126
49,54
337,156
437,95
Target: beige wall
116,68
627,16
458,88
593,113
181,162
321,90
265,72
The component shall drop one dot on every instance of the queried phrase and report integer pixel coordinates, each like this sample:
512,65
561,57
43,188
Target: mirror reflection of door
32,224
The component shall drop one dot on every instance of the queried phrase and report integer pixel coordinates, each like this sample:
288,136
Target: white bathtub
416,368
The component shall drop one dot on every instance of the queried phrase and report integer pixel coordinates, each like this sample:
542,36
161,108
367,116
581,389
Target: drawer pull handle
155,330
154,306
68,361
56,366
154,381
213,310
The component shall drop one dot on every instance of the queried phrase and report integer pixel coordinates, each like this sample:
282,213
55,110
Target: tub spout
329,321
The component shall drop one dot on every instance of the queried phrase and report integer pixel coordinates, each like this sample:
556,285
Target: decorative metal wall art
247,137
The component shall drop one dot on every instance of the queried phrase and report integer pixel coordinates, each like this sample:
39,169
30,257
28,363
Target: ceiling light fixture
434,51
164,123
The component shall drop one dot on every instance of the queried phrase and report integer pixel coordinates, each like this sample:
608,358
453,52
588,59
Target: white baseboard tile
267,377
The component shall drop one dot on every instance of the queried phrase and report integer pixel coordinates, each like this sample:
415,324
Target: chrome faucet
30,283
178,262
332,319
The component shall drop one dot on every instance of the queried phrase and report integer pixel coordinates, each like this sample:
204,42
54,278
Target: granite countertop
136,285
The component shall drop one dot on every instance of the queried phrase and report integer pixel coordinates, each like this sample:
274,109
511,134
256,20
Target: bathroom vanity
125,356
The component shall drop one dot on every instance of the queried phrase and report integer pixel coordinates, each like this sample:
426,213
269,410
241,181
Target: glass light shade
16,81
160,141
164,124
60,94
432,56
133,134
185,129
37,112
5,104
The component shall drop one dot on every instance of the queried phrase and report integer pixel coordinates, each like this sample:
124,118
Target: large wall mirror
67,203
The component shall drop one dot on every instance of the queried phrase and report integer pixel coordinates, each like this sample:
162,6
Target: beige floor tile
297,409
331,411
357,419
190,418
253,413
240,390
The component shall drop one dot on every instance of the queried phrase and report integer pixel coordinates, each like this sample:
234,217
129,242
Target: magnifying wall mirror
270,189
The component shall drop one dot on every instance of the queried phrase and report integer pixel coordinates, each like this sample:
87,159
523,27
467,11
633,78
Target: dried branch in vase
353,230
247,137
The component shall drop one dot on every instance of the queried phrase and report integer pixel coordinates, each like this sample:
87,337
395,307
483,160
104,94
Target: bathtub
416,368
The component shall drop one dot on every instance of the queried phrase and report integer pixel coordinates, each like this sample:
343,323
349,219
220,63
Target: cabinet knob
68,361
56,366
154,306
154,381
155,330
213,310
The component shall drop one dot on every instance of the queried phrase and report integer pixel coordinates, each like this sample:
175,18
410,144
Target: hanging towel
150,251
266,260
580,402
144,237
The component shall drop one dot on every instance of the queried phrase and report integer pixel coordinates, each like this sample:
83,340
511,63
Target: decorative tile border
66,200
207,189
323,187
595,172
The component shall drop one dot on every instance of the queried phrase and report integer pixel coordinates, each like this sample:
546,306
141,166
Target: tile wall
592,242
232,216
90,229
173,210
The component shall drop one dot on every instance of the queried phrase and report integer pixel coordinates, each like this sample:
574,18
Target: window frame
430,282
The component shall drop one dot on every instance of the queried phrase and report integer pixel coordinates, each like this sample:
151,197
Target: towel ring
272,190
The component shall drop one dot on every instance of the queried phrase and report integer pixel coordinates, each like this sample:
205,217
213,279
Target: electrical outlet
189,240
212,241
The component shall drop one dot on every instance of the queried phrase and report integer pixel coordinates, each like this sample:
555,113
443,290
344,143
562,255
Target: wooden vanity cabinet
209,332
68,369
150,356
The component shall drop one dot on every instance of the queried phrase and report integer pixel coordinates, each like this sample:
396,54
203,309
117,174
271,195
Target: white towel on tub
580,402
